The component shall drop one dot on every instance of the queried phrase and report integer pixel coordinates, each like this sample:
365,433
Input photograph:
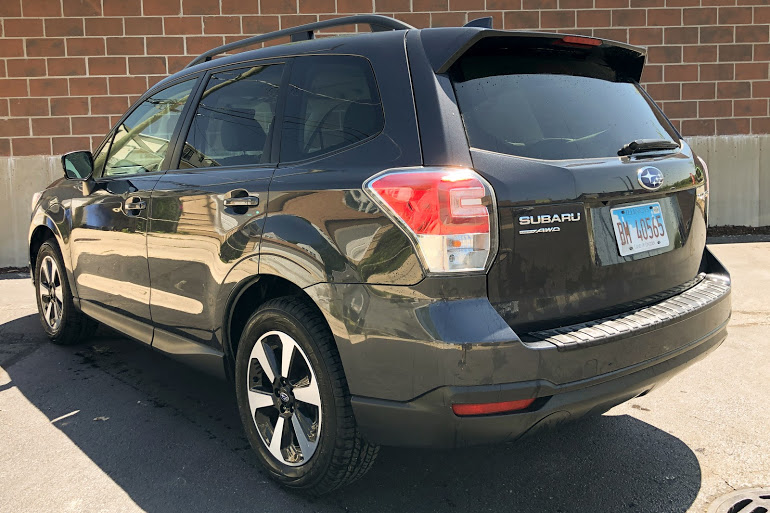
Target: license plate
639,228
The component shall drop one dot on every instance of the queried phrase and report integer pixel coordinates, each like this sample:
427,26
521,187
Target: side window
332,103
140,143
234,118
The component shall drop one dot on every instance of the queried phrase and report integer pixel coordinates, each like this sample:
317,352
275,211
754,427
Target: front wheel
62,322
294,400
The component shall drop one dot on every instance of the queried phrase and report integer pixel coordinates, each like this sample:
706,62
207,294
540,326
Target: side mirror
78,165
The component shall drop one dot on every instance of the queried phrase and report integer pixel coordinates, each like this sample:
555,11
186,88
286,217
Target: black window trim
162,86
184,126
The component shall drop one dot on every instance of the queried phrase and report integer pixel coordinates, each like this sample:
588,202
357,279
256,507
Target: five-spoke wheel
50,291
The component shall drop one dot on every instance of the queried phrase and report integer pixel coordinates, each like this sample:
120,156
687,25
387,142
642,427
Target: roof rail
305,32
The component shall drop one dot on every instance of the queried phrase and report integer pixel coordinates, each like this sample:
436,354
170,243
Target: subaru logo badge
650,178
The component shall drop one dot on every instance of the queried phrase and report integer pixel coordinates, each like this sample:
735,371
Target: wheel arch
42,230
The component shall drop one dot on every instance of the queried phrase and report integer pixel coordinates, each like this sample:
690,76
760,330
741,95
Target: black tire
73,326
341,455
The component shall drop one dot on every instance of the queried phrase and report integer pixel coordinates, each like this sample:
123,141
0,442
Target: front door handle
135,203
245,201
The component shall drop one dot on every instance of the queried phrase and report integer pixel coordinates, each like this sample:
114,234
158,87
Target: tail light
463,410
449,213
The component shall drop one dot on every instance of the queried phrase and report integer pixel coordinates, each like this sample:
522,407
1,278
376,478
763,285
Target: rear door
109,225
584,231
207,212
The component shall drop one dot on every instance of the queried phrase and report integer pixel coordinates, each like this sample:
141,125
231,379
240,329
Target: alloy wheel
284,398
51,293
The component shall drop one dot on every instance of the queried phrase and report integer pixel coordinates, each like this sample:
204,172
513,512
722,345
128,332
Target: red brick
22,146
682,3
762,52
616,34
127,85
752,33
733,53
85,46
14,127
90,125
750,108
48,87
717,72
700,53
343,6
664,17
177,63
104,26
109,104
222,24
63,27
454,5
240,7
9,8
163,8
716,34
629,17
320,6
20,107
200,6
165,45
691,127
578,4
13,87
645,36
5,147
50,126
447,19
4,111
521,20
88,86
66,67
735,15
680,35
405,5
26,67
39,47
147,65
11,48
497,17
183,25
762,15
415,19
733,126
681,110
40,8
751,71
699,16
681,73
199,44
143,26
665,54
698,91
557,19
106,65
62,145
253,25
760,125
715,109
663,92
601,4
23,27
734,90
652,73
539,4
69,106
125,46
122,8
82,7
594,18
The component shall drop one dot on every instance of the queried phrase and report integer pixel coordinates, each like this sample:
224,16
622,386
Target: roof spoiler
626,60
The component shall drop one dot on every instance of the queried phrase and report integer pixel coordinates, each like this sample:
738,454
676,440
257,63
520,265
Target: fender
57,218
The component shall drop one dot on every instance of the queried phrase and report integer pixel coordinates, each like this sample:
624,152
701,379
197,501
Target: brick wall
69,68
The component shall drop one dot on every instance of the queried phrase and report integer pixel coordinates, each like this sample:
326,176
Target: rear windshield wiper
645,145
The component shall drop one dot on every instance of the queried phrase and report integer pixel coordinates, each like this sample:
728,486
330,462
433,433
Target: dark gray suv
434,237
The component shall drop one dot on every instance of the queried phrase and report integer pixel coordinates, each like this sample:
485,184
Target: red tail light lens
448,212
579,41
463,410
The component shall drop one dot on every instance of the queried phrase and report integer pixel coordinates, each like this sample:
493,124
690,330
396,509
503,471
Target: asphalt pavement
112,426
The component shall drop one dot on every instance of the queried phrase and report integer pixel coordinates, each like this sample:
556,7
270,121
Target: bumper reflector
488,408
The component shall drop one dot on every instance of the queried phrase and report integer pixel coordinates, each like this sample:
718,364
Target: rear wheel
62,322
294,401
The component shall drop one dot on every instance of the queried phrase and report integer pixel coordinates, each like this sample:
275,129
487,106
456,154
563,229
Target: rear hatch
585,232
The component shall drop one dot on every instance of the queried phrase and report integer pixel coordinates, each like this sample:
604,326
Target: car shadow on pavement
171,438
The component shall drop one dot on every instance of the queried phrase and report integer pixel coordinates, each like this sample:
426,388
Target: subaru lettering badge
650,178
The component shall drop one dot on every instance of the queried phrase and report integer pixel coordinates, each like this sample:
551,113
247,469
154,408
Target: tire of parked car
289,380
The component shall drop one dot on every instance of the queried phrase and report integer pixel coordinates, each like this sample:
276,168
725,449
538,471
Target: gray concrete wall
739,169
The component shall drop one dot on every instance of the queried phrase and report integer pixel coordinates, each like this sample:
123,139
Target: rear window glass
332,103
532,109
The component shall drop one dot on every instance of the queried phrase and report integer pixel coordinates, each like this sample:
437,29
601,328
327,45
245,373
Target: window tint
232,123
534,109
140,143
332,103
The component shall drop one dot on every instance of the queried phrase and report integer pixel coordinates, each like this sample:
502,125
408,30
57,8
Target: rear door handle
135,203
245,201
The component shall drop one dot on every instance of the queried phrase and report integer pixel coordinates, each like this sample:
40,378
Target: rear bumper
680,331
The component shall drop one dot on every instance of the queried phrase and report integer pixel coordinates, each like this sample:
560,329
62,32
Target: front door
207,214
109,225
